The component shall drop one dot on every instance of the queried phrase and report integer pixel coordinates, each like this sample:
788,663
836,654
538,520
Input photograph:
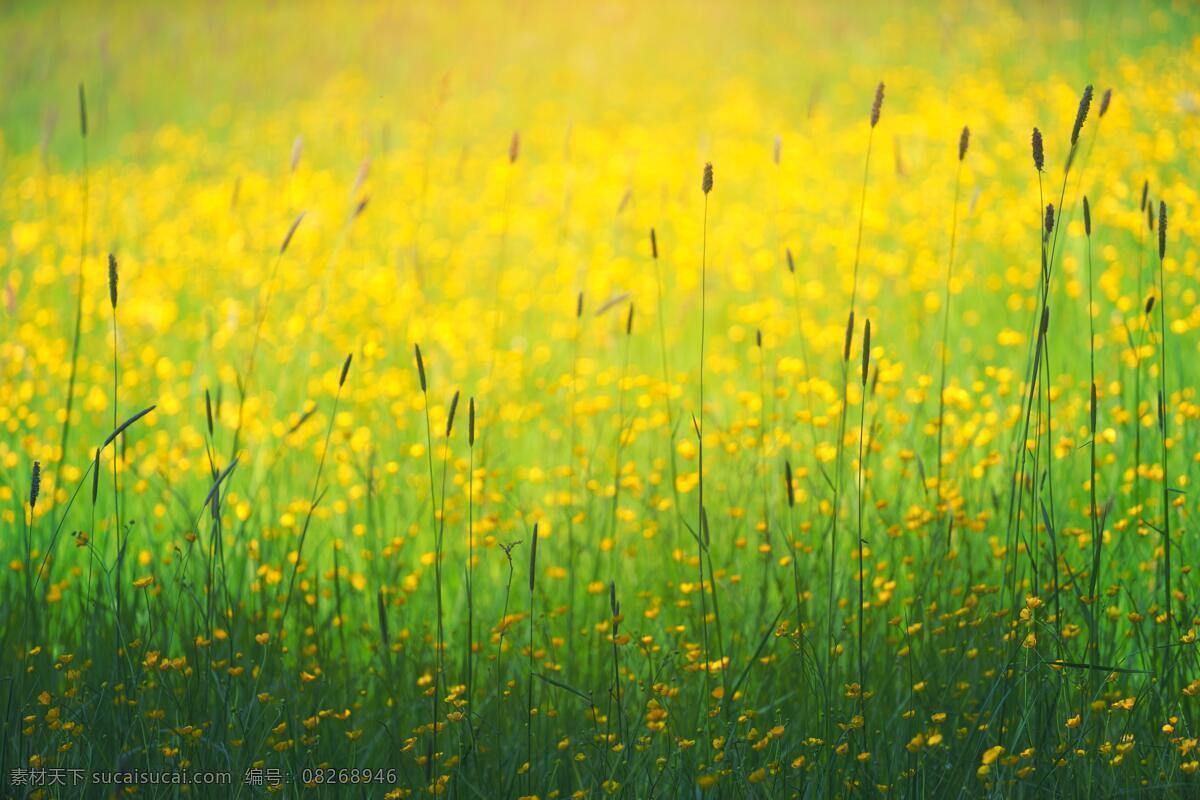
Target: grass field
566,400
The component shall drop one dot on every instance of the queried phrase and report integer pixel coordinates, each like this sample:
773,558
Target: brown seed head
112,280
849,336
1162,229
471,422
866,354
1085,103
287,239
787,478
877,104
533,559
420,366
96,477
35,484
450,414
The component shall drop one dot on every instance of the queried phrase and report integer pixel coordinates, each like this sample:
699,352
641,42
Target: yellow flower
992,753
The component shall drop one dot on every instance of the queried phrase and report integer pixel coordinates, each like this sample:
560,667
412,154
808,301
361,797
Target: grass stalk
65,435
862,490
963,143
1164,411
706,185
529,709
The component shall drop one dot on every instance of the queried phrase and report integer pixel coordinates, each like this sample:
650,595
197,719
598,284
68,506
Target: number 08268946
333,775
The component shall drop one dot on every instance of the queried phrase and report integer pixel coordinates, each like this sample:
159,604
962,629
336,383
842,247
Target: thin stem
862,664
1163,419
700,438
941,426
470,579
862,207
1097,533
437,656
83,226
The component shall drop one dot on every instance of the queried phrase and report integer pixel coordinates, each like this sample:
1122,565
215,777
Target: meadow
628,400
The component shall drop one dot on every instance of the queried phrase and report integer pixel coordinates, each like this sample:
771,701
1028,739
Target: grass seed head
96,477
877,104
297,152
787,479
83,126
471,422
1093,409
1105,99
35,484
866,353
707,182
1039,153
287,239
1049,218
514,147
345,370
1085,103
420,367
653,245
849,336
1162,229
533,558
450,414
1087,217
112,280
964,140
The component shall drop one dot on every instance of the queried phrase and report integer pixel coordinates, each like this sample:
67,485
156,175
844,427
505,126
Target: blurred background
208,66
